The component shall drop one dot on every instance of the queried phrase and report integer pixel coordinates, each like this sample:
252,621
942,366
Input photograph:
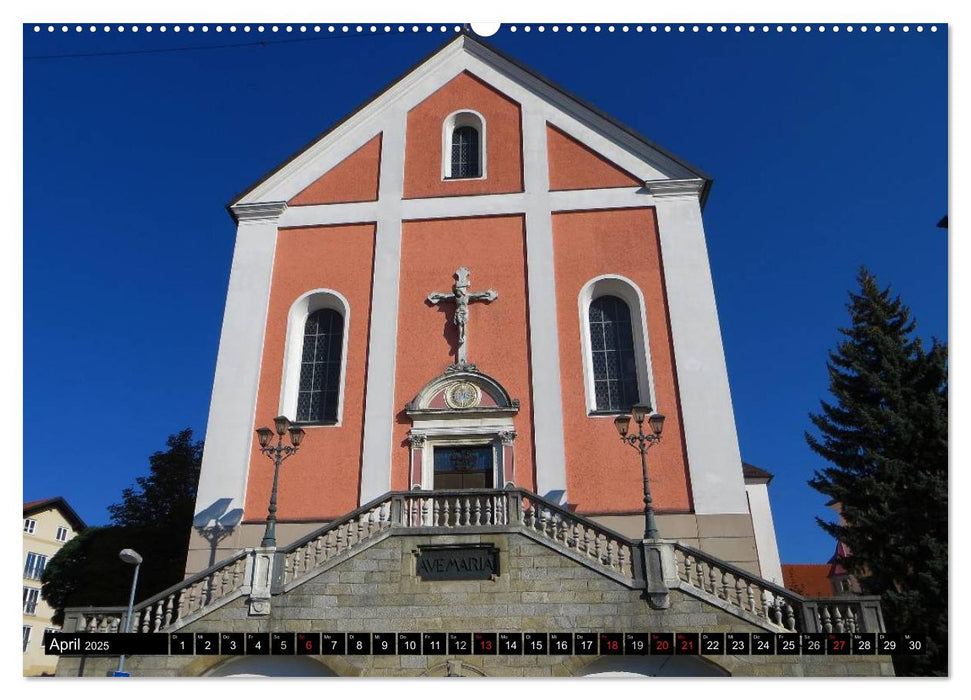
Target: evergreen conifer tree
885,437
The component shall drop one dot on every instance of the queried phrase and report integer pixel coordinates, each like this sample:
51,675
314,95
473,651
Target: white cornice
258,211
675,188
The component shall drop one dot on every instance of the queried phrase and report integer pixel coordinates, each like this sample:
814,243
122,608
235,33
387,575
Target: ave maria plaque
457,562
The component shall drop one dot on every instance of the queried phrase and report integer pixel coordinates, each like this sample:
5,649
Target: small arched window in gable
320,367
463,147
613,354
465,152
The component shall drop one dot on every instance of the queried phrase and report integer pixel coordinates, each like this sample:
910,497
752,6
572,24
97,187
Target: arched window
315,358
465,152
463,146
612,352
320,367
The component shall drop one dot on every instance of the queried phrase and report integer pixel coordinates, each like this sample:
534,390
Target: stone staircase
656,566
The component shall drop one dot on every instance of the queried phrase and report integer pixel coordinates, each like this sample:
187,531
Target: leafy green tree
885,437
154,518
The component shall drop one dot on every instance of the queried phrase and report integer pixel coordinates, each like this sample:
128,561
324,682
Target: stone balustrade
655,566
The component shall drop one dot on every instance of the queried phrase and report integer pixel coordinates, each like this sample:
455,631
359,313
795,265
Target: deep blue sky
828,151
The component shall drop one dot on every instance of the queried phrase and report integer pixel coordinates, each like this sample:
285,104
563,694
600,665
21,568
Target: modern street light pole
643,443
278,453
129,556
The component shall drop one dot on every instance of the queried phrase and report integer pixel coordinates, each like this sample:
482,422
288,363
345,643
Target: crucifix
461,296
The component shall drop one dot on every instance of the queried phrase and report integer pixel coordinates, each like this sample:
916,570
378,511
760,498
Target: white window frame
300,310
32,599
29,572
29,526
27,631
62,529
462,117
626,289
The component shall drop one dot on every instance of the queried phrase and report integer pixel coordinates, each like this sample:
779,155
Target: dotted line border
512,28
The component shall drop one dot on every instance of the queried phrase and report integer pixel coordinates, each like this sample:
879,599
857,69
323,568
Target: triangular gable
574,166
354,179
581,121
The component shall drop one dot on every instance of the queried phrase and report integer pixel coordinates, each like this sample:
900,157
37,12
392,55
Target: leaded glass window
465,153
320,367
612,353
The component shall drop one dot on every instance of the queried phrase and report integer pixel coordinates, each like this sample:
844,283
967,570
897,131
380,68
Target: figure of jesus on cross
461,296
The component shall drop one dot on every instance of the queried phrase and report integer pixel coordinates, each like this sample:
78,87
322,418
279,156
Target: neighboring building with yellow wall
48,524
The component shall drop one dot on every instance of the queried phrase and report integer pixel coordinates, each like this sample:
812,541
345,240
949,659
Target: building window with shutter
34,566
31,596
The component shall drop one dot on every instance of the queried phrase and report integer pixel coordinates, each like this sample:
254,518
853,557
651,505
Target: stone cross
461,296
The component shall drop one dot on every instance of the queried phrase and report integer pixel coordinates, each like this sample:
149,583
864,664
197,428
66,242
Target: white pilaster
544,338
764,528
714,461
229,432
382,344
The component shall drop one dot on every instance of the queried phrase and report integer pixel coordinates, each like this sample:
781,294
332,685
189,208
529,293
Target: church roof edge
465,34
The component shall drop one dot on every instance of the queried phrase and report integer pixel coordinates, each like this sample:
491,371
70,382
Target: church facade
454,294
578,225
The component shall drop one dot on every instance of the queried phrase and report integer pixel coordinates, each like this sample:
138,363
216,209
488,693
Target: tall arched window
613,354
320,367
463,146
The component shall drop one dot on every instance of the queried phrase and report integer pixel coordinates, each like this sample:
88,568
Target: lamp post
643,443
278,453
129,556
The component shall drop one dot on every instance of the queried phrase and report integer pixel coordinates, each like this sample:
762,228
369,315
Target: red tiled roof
807,579
31,507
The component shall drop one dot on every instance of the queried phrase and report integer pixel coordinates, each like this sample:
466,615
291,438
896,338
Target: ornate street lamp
277,453
643,443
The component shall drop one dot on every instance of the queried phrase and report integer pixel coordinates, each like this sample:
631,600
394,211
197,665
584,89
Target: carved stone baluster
766,605
827,620
167,617
599,547
790,617
623,559
687,562
724,592
850,621
436,512
611,553
587,538
751,597
489,512
180,610
158,617
477,510
712,579
700,573
318,550
739,588
446,514
466,512
146,620
838,619
424,511
361,525
115,625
